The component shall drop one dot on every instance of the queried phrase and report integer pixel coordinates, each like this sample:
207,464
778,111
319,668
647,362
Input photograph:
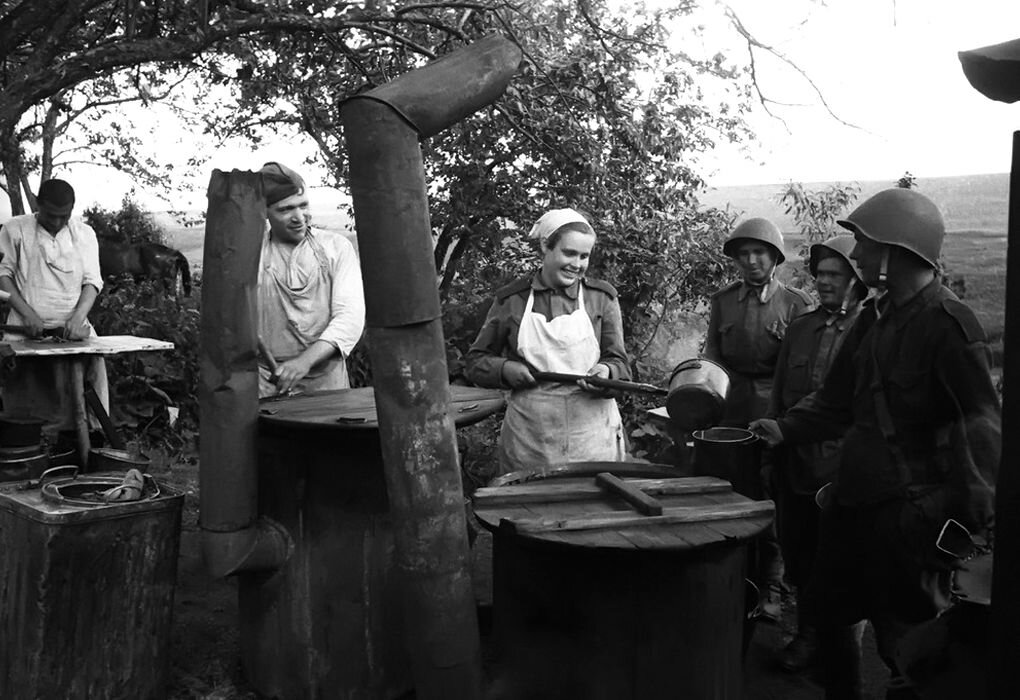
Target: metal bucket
697,394
733,454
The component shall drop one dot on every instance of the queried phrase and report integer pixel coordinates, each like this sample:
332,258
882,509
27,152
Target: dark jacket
926,366
812,342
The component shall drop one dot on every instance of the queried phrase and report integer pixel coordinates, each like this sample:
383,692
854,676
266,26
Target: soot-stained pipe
382,128
234,538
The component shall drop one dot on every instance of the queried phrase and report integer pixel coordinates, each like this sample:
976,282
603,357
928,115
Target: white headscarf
553,219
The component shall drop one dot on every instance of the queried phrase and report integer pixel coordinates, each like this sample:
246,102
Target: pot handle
693,363
48,475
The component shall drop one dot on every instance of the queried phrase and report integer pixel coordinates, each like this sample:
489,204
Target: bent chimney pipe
387,177
234,538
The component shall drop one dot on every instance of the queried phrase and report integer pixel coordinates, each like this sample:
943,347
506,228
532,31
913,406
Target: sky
888,67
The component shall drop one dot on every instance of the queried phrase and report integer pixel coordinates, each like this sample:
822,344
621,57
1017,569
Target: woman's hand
601,371
517,375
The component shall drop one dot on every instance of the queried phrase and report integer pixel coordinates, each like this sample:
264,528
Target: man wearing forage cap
50,267
554,320
311,301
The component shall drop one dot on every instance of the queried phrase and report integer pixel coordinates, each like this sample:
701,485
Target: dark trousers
797,522
865,570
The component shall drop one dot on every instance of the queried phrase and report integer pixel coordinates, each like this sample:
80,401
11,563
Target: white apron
40,386
554,423
294,304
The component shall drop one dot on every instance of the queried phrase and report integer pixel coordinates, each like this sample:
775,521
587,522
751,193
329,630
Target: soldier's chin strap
762,288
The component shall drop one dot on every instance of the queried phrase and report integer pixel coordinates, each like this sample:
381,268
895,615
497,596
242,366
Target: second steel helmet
756,229
839,245
903,218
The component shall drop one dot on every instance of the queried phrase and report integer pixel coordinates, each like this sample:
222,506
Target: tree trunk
10,157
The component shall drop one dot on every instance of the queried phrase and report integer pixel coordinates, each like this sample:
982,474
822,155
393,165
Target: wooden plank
550,491
645,504
100,345
614,519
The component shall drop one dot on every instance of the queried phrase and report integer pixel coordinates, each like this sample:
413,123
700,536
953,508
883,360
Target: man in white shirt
50,267
311,301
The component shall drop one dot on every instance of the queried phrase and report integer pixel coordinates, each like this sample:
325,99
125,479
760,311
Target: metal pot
20,431
697,394
24,467
103,459
733,454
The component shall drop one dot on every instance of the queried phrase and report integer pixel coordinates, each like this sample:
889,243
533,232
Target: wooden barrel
330,623
595,599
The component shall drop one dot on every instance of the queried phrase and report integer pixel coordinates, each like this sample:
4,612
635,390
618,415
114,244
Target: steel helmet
903,218
756,229
839,245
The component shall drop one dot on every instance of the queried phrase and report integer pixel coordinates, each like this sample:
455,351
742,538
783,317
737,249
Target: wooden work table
76,353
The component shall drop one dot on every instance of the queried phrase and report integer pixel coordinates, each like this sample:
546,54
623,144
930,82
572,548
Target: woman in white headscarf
555,320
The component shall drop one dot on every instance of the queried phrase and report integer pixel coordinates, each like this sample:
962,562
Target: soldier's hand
768,430
517,375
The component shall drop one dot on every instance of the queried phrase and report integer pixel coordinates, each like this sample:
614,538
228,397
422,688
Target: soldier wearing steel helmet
911,394
746,327
812,341
749,318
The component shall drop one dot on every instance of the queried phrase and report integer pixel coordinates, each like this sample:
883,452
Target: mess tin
697,394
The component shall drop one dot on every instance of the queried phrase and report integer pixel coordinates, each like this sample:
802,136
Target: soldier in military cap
911,394
745,329
311,303
812,341
554,320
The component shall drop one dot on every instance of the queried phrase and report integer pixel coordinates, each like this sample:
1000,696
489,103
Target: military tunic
745,329
812,342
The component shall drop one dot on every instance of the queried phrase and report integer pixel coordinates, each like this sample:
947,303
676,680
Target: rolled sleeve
89,246
347,299
10,240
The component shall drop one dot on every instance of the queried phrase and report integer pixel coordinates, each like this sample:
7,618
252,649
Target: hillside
969,202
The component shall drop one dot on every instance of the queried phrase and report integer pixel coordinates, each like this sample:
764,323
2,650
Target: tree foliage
603,116
48,47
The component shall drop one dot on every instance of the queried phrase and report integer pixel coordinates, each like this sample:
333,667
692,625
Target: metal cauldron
697,394
733,454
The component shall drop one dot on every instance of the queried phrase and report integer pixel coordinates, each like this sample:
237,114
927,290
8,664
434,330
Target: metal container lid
354,409
683,513
63,501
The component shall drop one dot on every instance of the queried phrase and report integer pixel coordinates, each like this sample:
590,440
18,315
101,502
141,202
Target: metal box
86,594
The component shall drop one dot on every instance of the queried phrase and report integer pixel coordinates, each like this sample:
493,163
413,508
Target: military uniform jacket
745,330
497,340
812,342
942,428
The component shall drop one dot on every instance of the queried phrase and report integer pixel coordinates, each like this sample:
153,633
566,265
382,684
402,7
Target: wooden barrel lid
685,513
354,409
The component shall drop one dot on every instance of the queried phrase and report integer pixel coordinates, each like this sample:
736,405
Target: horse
145,260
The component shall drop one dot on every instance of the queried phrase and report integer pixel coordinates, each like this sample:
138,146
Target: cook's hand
768,430
33,324
289,373
517,375
602,372
75,328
